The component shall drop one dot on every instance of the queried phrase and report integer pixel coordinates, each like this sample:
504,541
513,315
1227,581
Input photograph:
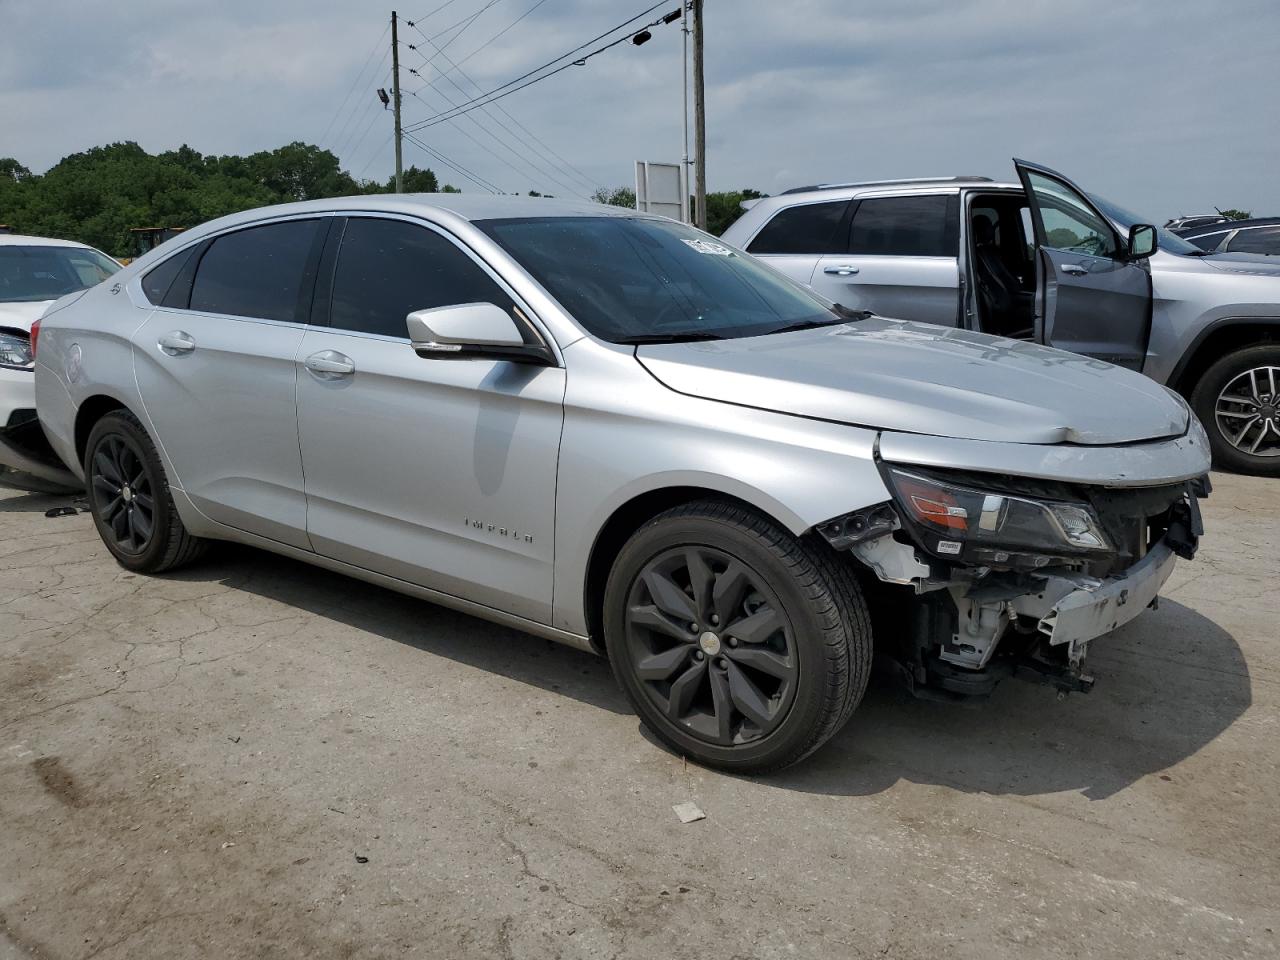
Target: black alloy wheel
130,499
711,644
740,645
124,492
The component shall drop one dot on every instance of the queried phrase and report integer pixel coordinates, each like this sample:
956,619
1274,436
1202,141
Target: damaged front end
1008,576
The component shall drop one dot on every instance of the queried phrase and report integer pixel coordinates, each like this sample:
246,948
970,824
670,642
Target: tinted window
903,227
46,272
810,228
1209,241
1256,240
157,282
388,268
257,272
633,279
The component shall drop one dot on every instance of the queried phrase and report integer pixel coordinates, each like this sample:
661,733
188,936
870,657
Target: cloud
1164,105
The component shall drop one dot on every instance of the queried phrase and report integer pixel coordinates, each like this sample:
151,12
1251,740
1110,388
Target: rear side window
811,228
259,272
387,269
905,227
1209,241
158,281
1256,240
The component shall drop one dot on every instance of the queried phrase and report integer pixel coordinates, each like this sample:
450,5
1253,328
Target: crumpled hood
20,316
920,378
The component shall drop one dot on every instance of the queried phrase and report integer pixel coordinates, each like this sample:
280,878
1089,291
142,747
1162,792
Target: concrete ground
255,758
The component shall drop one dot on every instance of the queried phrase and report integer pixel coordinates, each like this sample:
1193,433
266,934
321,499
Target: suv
1260,235
1045,261
613,430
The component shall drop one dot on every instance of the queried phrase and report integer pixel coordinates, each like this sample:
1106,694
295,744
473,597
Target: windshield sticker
707,247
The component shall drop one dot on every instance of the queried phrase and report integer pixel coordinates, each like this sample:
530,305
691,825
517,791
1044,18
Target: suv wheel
130,500
1238,401
738,645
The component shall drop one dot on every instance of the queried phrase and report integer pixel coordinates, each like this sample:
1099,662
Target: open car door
1093,292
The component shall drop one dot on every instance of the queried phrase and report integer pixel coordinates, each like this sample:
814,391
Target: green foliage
726,207
97,195
722,208
617,197
1233,214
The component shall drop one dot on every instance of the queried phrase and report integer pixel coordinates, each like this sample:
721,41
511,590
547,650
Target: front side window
258,272
809,228
1070,223
903,227
1256,240
635,279
387,269
39,272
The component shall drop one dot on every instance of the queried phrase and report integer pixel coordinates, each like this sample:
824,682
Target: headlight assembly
989,525
15,351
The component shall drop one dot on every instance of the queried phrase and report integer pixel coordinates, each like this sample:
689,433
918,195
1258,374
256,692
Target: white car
34,272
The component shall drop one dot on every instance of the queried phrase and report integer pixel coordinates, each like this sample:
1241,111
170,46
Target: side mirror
472,331
1142,241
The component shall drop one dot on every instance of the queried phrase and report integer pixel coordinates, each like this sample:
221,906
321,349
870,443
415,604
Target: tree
616,197
1233,214
724,208
96,196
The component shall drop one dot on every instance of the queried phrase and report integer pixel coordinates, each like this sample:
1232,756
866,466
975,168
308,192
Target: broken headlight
995,527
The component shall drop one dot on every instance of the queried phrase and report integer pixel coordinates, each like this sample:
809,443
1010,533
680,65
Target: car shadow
1167,685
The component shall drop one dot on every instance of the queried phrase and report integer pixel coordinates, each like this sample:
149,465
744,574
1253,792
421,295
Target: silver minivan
612,430
1045,261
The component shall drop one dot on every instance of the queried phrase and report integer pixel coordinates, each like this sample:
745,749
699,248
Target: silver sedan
618,432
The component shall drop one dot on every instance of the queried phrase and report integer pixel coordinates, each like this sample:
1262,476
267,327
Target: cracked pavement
191,766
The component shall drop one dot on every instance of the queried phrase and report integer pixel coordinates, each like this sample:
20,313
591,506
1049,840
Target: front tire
130,500
738,645
1238,401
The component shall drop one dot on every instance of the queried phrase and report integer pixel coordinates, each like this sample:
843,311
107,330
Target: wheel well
1227,338
90,412
618,530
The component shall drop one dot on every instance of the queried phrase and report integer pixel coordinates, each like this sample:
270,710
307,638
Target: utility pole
685,212
699,121
395,97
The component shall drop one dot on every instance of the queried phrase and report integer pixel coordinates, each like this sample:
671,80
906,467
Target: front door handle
1074,269
330,364
177,342
840,270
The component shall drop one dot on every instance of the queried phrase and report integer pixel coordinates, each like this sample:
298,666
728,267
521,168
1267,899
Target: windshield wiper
843,315
692,336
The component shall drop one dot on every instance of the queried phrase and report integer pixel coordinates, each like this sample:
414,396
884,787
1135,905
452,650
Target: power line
473,177
468,21
496,94
546,153
352,89
539,173
342,139
428,16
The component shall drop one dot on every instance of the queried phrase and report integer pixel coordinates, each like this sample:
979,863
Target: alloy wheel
1248,412
711,645
123,493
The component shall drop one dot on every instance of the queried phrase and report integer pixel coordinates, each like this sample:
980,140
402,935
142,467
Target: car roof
468,206
907,182
1228,225
18,240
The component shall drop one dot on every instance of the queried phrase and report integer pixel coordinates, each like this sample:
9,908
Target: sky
1167,107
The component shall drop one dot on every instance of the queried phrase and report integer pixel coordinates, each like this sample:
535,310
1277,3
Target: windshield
1126,219
31,273
634,279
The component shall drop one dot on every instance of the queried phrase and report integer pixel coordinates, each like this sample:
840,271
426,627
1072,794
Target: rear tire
1244,432
129,498
739,645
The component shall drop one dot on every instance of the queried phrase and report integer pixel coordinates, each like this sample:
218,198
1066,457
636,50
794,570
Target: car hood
921,378
22,314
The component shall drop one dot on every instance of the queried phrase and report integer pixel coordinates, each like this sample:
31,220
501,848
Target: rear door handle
177,342
840,270
1074,269
330,364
